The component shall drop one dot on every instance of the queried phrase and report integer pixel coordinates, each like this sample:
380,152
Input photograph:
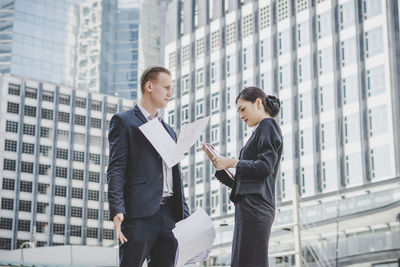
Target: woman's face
250,113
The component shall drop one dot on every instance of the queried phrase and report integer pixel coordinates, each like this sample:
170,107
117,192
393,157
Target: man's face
161,90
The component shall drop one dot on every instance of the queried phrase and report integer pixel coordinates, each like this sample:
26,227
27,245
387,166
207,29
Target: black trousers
253,222
149,237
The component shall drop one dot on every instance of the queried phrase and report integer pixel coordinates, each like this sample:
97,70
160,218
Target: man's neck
153,110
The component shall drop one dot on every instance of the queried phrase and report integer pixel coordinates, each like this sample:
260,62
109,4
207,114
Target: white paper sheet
171,152
195,235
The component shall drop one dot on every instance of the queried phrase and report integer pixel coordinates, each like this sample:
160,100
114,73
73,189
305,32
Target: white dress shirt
167,172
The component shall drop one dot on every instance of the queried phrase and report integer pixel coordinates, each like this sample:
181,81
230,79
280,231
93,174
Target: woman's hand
221,163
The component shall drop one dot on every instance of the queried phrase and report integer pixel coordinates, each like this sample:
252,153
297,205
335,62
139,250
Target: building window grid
12,126
247,25
30,111
60,191
200,45
14,89
59,209
44,150
25,205
283,10
264,17
61,172
24,225
76,212
12,108
80,102
9,164
31,92
79,156
215,40
96,105
80,120
185,54
7,203
29,129
77,174
62,153
48,96
10,145
47,114
172,60
6,223
26,186
8,184
28,148
26,167
301,5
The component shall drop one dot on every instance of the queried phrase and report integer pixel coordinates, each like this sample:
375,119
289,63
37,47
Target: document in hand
171,152
195,236
211,152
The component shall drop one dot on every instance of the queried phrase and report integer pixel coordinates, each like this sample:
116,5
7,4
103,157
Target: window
8,184
80,120
213,72
215,103
171,117
12,126
79,156
29,111
40,227
284,42
199,173
25,205
94,158
80,102
77,174
7,203
377,118
12,108
62,153
185,84
172,61
304,70
93,214
29,129
284,76
63,135
10,145
79,138
95,141
247,25
42,188
349,51
9,164
76,212
199,108
6,223
264,17
60,191
373,42
185,113
47,96
95,123
76,230
27,167
199,78
346,15
372,8
350,89
111,108
92,232
31,92
45,132
214,134
96,105
26,186
64,99
200,45
185,54
77,193
199,201
108,234
5,243
376,80
94,177
325,61
93,195
41,207
324,26
61,172
215,40
47,114
24,225
283,10
63,116
28,148
14,89
44,150
59,229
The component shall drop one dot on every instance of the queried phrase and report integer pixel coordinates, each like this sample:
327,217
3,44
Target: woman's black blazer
258,163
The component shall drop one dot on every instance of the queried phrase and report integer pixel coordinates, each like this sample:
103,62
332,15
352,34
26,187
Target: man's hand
221,163
117,223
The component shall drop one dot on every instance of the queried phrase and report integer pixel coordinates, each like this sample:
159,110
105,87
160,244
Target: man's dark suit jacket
135,171
258,163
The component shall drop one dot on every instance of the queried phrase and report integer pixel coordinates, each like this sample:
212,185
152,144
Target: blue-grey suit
135,187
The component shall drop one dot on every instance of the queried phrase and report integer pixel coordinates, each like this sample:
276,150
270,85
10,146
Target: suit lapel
139,114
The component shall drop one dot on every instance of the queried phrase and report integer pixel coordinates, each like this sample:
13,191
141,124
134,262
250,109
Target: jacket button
160,175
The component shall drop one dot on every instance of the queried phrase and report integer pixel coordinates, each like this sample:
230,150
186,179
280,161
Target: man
146,197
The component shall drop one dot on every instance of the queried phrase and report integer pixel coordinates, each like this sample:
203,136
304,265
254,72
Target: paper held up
171,152
211,152
195,236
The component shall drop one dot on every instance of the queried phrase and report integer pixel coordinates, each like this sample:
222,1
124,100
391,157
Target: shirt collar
147,115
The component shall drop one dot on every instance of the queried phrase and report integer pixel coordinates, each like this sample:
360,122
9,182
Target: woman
253,187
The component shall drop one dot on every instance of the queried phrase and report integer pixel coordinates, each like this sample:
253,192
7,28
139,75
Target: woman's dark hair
271,103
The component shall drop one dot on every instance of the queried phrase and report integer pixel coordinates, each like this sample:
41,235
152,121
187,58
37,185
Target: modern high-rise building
88,44
334,64
53,163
